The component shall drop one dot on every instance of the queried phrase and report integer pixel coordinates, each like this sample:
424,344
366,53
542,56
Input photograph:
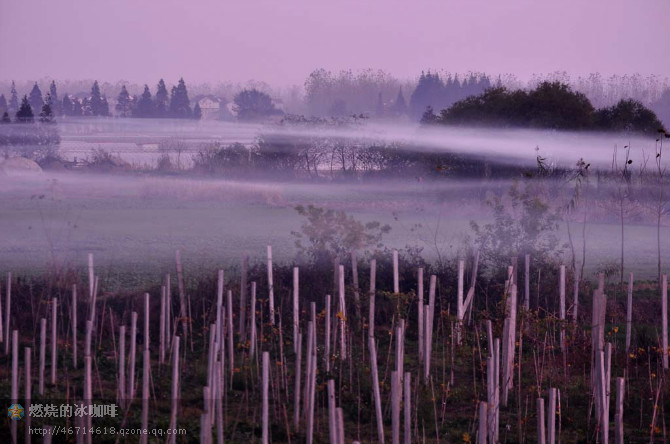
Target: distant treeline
551,105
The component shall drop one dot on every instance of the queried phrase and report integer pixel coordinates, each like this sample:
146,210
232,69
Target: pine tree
162,100
66,106
400,106
36,101
55,103
47,114
379,110
5,118
123,103
429,117
197,112
25,112
97,104
13,100
180,106
3,103
145,106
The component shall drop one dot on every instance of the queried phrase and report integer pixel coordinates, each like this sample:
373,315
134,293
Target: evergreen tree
3,103
123,103
429,117
400,106
379,110
197,112
77,107
36,101
180,106
145,106
13,100
97,104
162,100
5,118
47,114
66,106
25,112
55,103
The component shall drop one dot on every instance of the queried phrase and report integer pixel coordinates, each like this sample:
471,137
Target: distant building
211,107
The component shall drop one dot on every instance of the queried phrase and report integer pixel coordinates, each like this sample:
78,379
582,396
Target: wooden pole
243,298
407,407
332,415
172,438
182,297
312,387
122,366
459,300
395,407
629,311
145,394
161,328
326,355
266,405
271,290
420,312
252,307
88,392
43,343
74,326
133,348
482,434
8,301
618,418
396,280
54,337
375,388
540,421
298,370
28,391
231,348
296,307
91,276
551,433
15,378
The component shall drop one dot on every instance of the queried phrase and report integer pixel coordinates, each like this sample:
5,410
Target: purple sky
282,41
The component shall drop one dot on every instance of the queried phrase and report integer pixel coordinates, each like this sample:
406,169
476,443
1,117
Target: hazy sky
282,41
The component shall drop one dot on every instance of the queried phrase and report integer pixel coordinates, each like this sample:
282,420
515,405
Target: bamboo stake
354,277
540,421
459,300
420,312
54,334
312,386
407,407
182,297
8,301
172,438
43,342
375,388
28,391
161,328
427,343
396,280
74,326
296,307
340,425
91,276
122,366
481,432
231,348
326,356
629,311
618,418
271,287
88,392
266,405
133,348
219,402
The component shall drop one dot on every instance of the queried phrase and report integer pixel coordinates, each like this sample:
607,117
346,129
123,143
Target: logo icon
15,412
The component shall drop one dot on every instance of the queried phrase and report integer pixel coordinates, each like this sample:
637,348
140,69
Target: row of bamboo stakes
500,369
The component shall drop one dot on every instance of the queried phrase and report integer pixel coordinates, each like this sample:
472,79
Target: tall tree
162,100
252,104
145,106
25,112
35,99
123,103
3,103
197,112
400,106
66,106
55,103
97,104
47,114
13,100
180,106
